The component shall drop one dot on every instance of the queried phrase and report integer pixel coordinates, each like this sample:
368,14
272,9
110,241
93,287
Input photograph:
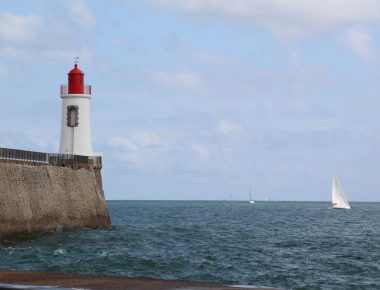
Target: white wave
60,252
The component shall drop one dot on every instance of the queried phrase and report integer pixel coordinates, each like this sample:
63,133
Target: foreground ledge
14,279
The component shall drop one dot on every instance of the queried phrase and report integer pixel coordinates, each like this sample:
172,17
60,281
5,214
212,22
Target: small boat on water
339,199
250,195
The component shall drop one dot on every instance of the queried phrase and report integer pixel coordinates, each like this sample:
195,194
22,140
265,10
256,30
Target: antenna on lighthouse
76,59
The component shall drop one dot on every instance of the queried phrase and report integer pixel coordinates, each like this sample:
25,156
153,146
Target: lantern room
75,83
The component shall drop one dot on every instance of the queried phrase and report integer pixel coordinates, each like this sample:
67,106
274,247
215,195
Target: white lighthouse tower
76,124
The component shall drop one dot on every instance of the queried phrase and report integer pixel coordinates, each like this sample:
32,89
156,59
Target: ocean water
295,245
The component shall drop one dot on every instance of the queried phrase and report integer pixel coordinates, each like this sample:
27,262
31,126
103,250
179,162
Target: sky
201,99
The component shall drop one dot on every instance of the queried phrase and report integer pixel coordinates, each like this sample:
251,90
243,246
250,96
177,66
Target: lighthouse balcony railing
17,155
86,90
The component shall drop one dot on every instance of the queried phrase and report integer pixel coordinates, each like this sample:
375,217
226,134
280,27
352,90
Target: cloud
144,151
228,127
147,139
201,151
3,70
30,140
81,13
130,150
16,30
86,54
32,37
181,79
137,141
123,142
176,46
176,79
358,39
283,18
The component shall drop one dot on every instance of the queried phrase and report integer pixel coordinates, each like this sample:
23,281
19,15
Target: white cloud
359,40
16,30
182,79
168,79
144,150
283,18
201,151
136,141
147,139
45,53
28,140
228,127
30,37
178,47
3,70
118,41
85,53
130,150
123,142
81,13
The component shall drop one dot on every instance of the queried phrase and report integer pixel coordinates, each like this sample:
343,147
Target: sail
250,195
338,197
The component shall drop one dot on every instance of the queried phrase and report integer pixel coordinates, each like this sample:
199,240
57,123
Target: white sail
339,199
250,195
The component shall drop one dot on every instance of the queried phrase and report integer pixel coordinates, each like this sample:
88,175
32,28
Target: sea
292,245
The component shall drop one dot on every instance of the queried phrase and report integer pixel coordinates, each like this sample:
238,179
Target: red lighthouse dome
76,81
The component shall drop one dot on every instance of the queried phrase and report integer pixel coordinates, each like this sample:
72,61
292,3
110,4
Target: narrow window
72,116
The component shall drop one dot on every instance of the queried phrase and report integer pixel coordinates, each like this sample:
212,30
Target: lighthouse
76,123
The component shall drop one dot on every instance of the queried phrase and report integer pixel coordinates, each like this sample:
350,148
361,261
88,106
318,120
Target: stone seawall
46,197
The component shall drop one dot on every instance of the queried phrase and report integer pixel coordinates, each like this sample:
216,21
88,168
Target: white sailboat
339,199
250,196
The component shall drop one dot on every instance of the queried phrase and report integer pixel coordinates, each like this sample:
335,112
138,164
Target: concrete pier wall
45,197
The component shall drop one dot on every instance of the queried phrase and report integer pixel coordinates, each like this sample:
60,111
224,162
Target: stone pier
40,197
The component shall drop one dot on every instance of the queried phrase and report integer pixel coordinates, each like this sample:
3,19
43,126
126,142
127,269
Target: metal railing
86,89
48,158
63,159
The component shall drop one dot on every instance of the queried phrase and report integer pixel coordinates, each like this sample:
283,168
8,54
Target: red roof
76,71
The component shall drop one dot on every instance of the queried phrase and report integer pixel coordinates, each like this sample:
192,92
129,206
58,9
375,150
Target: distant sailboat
250,195
339,199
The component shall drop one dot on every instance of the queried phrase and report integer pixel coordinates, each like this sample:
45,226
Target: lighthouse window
72,116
